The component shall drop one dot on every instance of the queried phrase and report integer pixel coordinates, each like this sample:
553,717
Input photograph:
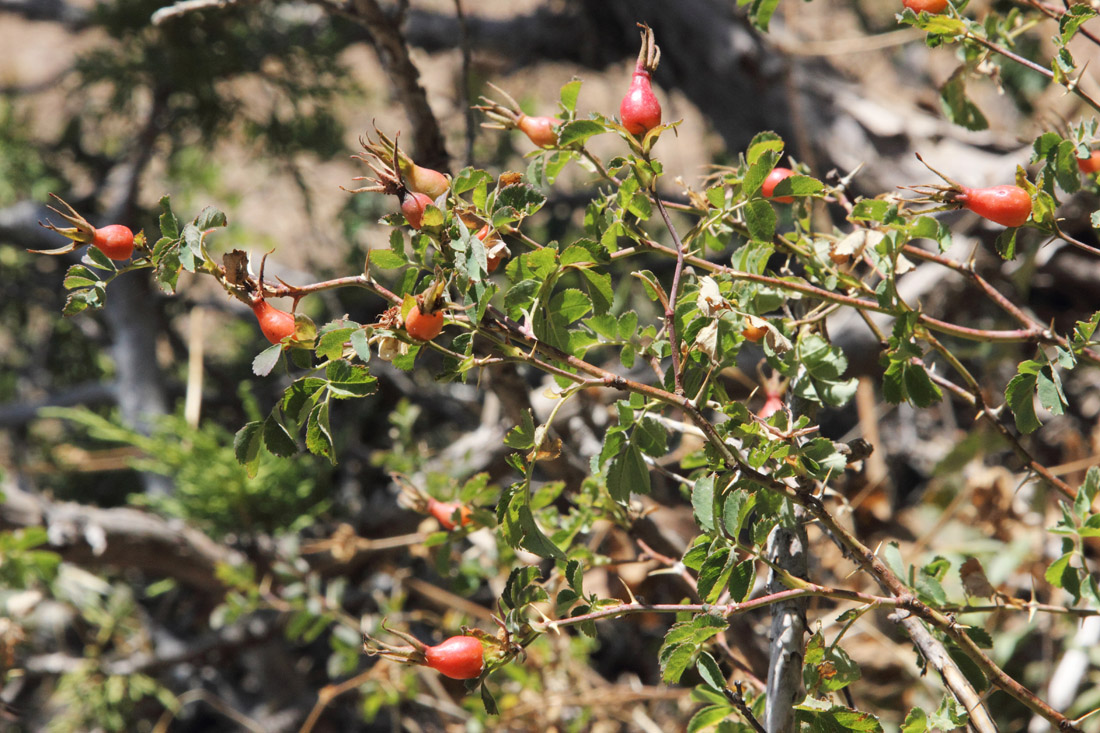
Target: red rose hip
413,205
423,326
444,512
1006,205
542,131
639,110
275,324
460,657
773,179
115,240
928,6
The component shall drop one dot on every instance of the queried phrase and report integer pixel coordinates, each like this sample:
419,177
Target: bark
119,537
389,41
787,549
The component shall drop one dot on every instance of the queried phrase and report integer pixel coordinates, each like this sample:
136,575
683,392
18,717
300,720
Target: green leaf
651,436
266,360
710,671
432,217
347,380
822,716
469,179
1086,494
760,219
1056,573
569,93
761,13
521,197
169,225
570,304
522,436
919,387
702,502
534,539
930,589
682,642
827,669
940,24
1074,17
708,716
822,458
676,661
758,171
300,396
599,290
957,106
94,257
359,343
209,218
640,206
915,722
578,131
763,142
741,580
1019,395
891,555
628,474
1005,244
330,345
798,185
950,715
1049,388
876,210
386,259
714,574
278,439
489,701
318,432
79,276
736,508
246,446
968,667
80,300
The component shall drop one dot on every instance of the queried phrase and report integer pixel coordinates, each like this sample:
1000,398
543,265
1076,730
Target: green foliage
23,566
211,488
635,290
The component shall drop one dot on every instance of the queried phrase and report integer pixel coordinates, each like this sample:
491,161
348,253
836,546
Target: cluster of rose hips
417,187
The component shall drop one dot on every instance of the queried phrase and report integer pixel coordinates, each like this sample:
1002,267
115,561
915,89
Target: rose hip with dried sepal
639,110
116,241
458,657
385,166
417,178
542,131
1008,205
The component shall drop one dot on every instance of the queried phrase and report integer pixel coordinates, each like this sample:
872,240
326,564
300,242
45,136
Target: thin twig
670,309
1017,447
1073,87
738,700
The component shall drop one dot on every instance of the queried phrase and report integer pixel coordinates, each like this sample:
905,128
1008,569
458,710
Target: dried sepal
81,232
